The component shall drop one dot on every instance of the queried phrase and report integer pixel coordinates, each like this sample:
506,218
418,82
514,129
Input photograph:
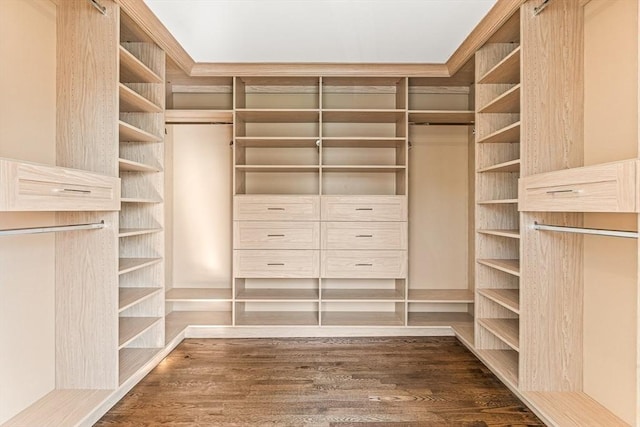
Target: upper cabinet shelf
278,115
505,71
441,117
508,102
34,187
131,101
132,70
129,133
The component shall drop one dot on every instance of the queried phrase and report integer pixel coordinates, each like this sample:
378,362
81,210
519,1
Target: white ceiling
307,31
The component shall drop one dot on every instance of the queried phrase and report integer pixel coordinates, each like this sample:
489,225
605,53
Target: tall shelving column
497,100
364,168
141,236
276,201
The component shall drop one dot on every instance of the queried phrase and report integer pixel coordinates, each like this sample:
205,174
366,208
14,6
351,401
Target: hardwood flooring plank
329,382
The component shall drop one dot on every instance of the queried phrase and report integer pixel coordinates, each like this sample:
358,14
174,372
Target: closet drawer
364,208
609,187
364,264
364,235
276,208
276,264
276,235
34,187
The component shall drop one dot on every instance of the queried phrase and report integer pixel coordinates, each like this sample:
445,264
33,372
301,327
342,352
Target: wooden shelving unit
130,133
507,134
505,329
440,319
441,117
198,116
513,234
133,327
508,298
198,295
508,102
129,297
511,266
359,318
129,232
132,102
277,318
127,265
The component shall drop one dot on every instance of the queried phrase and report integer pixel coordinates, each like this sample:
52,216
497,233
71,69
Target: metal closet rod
584,230
52,229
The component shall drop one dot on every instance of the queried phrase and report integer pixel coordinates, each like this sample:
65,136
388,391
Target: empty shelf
132,327
130,133
361,318
362,295
441,117
277,294
128,297
132,70
198,116
198,295
131,360
277,142
128,232
510,133
177,321
275,318
417,318
511,266
510,166
505,71
139,200
504,363
513,234
127,265
499,202
131,101
508,330
465,333
278,168
364,168
508,102
508,298
131,166
362,116
278,115
441,296
366,142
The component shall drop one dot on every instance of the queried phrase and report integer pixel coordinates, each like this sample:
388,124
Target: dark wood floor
363,382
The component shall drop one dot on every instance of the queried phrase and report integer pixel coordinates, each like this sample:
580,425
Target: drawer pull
364,265
275,209
364,235
563,191
71,190
275,235
364,209
276,263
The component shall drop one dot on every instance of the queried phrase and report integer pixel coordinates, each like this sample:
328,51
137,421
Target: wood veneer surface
320,382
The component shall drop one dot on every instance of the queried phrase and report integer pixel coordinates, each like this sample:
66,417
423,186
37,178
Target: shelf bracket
538,9
97,5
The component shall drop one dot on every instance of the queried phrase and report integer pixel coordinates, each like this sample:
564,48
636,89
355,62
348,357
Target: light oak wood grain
198,294
441,117
132,327
452,319
508,330
276,208
364,264
199,116
505,71
441,295
131,360
364,208
572,409
364,235
276,263
276,235
359,318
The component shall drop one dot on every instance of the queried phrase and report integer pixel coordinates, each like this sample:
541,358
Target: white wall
27,270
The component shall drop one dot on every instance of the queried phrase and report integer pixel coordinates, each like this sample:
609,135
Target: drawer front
364,208
364,235
601,188
364,264
276,208
276,264
33,187
276,235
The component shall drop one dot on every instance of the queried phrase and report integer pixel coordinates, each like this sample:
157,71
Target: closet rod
52,229
538,9
584,230
97,5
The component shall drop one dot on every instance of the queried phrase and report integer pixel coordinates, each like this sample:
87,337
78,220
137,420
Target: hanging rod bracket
584,230
538,9
97,5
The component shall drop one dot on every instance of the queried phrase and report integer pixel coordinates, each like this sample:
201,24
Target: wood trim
140,13
318,69
496,17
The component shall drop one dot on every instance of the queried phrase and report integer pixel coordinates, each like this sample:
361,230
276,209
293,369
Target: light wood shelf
465,333
361,318
510,166
277,318
575,409
363,168
132,102
278,115
510,133
508,298
60,408
363,142
198,116
499,202
417,318
278,168
132,70
129,232
362,295
512,234
505,71
463,296
198,295
177,321
131,166
508,102
511,266
504,363
128,297
277,294
132,327
441,117
507,330
139,200
362,116
130,133
127,265
276,142
131,360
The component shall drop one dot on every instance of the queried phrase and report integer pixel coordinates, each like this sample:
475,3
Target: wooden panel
359,295
364,208
441,295
130,360
271,295
511,266
504,363
276,235
364,264
130,296
276,263
439,318
274,318
177,321
130,133
510,166
198,116
362,116
276,208
441,117
508,102
571,409
34,187
600,188
510,133
277,116
132,101
198,294
508,330
364,235
132,327
505,71
552,129
361,318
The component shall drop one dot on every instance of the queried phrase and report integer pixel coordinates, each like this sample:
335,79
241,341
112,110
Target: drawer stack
276,259
363,260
